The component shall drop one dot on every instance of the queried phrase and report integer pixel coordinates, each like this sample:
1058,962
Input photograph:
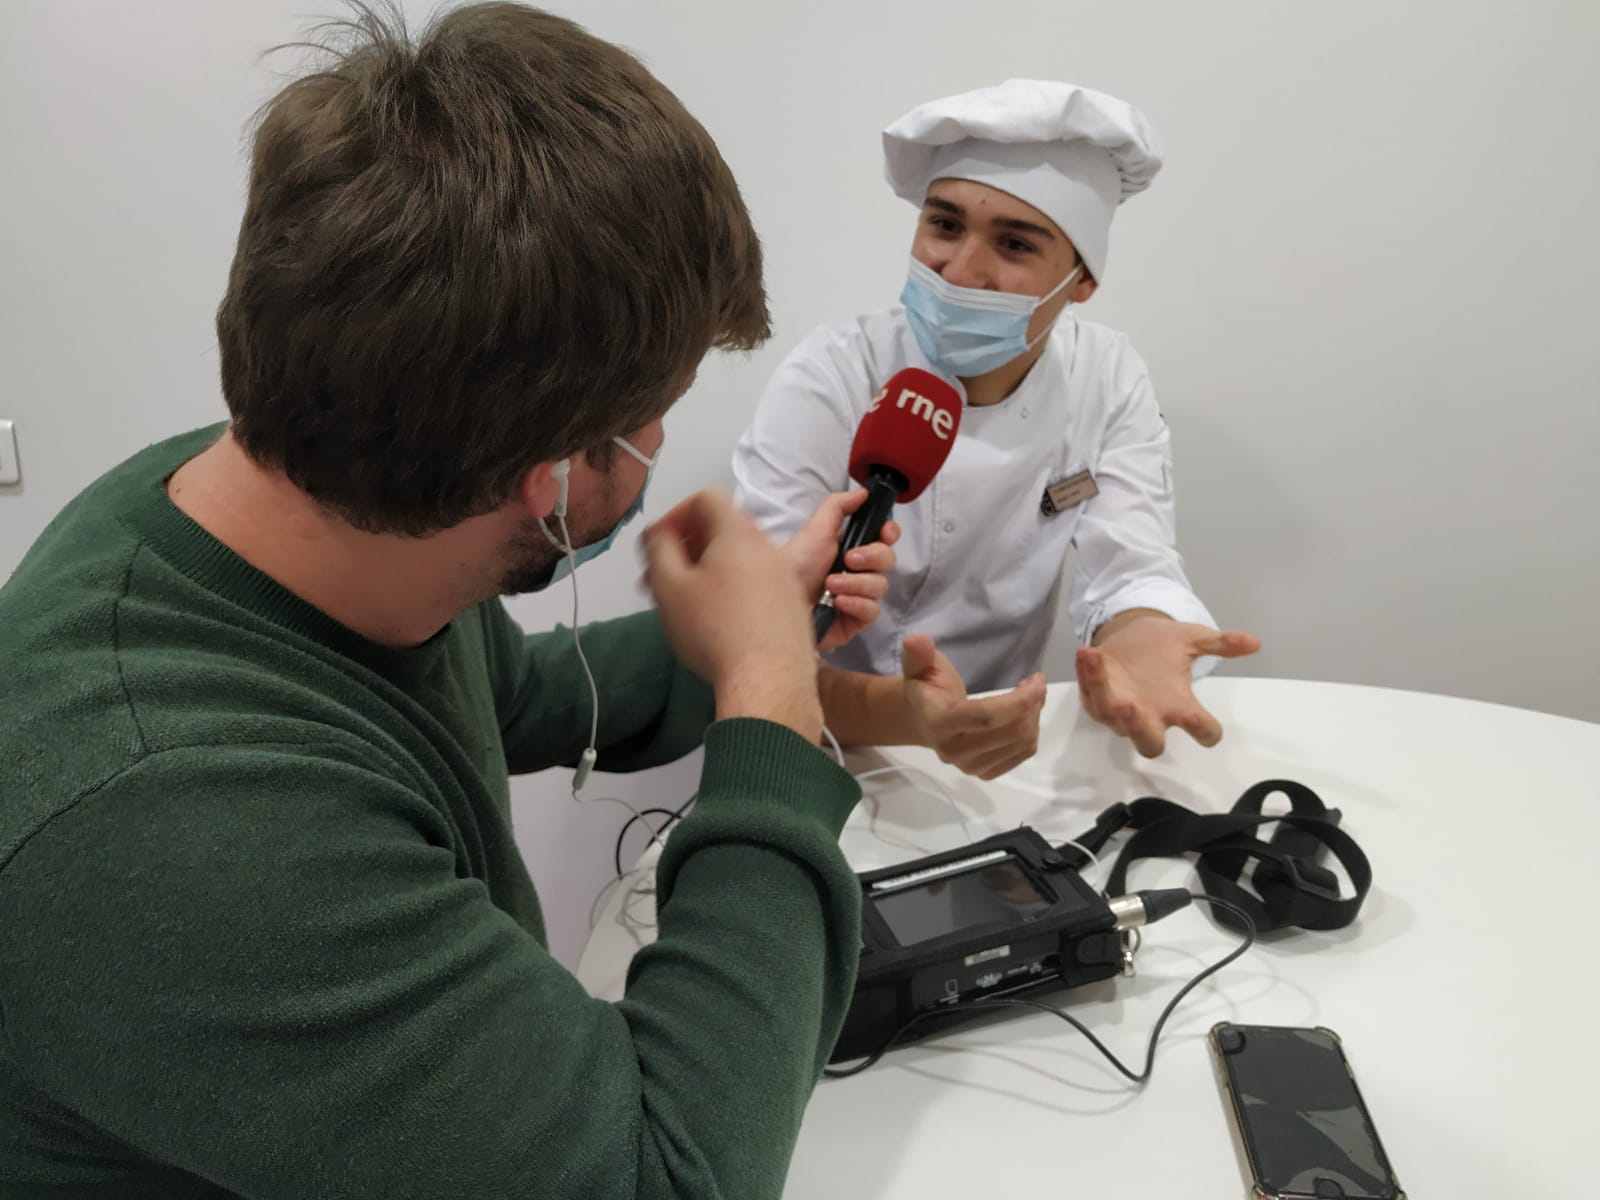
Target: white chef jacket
978,565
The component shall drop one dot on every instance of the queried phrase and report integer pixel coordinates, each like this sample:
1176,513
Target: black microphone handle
865,526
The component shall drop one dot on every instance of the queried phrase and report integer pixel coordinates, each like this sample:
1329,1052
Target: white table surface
1465,992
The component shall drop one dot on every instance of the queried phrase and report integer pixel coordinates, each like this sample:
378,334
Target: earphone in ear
562,471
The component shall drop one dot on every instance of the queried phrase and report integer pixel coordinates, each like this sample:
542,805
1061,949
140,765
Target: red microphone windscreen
910,426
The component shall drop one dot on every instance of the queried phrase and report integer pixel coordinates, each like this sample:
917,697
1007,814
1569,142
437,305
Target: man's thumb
918,658
665,558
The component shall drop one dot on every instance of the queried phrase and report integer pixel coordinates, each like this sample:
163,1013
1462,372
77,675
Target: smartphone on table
1302,1125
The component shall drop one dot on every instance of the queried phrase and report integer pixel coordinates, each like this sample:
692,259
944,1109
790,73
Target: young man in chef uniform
1061,445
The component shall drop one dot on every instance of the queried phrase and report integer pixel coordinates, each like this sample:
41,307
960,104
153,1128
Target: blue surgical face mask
966,332
575,556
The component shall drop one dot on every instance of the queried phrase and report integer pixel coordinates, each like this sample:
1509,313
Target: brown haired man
264,931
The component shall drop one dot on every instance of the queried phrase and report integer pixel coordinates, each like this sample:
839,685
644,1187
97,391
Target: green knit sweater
264,930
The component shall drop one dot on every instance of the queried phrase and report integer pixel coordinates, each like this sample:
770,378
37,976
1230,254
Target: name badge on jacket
1064,493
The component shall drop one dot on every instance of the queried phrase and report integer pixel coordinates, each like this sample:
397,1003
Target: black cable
674,814
670,816
1155,1033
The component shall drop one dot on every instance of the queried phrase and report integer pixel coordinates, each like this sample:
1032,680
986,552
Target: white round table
1463,993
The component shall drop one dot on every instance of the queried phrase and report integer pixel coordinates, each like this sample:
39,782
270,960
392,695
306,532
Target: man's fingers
1086,701
995,714
890,533
975,753
873,587
996,767
1233,643
876,558
1032,692
666,557
979,729
1148,736
835,507
676,522
1094,683
964,749
1117,717
918,658
994,761
699,518
1201,726
861,610
846,502
822,527
707,506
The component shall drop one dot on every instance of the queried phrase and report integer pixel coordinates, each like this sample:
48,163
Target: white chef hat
1072,153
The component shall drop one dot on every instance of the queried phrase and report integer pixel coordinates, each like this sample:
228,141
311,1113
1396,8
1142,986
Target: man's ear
1084,287
544,489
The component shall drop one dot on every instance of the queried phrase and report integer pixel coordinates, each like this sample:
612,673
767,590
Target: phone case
1241,1144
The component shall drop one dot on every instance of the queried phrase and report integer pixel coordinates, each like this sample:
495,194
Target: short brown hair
493,247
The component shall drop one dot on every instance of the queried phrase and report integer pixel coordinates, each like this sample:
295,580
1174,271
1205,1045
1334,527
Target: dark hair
461,257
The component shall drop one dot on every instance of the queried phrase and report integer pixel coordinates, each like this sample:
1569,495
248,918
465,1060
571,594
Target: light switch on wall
10,468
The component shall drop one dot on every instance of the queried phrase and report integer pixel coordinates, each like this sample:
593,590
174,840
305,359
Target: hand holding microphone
858,591
900,445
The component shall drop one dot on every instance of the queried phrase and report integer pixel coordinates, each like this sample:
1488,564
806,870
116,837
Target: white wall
1364,284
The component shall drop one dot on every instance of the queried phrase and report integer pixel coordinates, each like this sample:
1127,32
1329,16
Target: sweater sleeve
653,709
266,966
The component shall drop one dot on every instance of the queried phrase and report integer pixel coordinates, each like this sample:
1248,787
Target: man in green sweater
264,930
